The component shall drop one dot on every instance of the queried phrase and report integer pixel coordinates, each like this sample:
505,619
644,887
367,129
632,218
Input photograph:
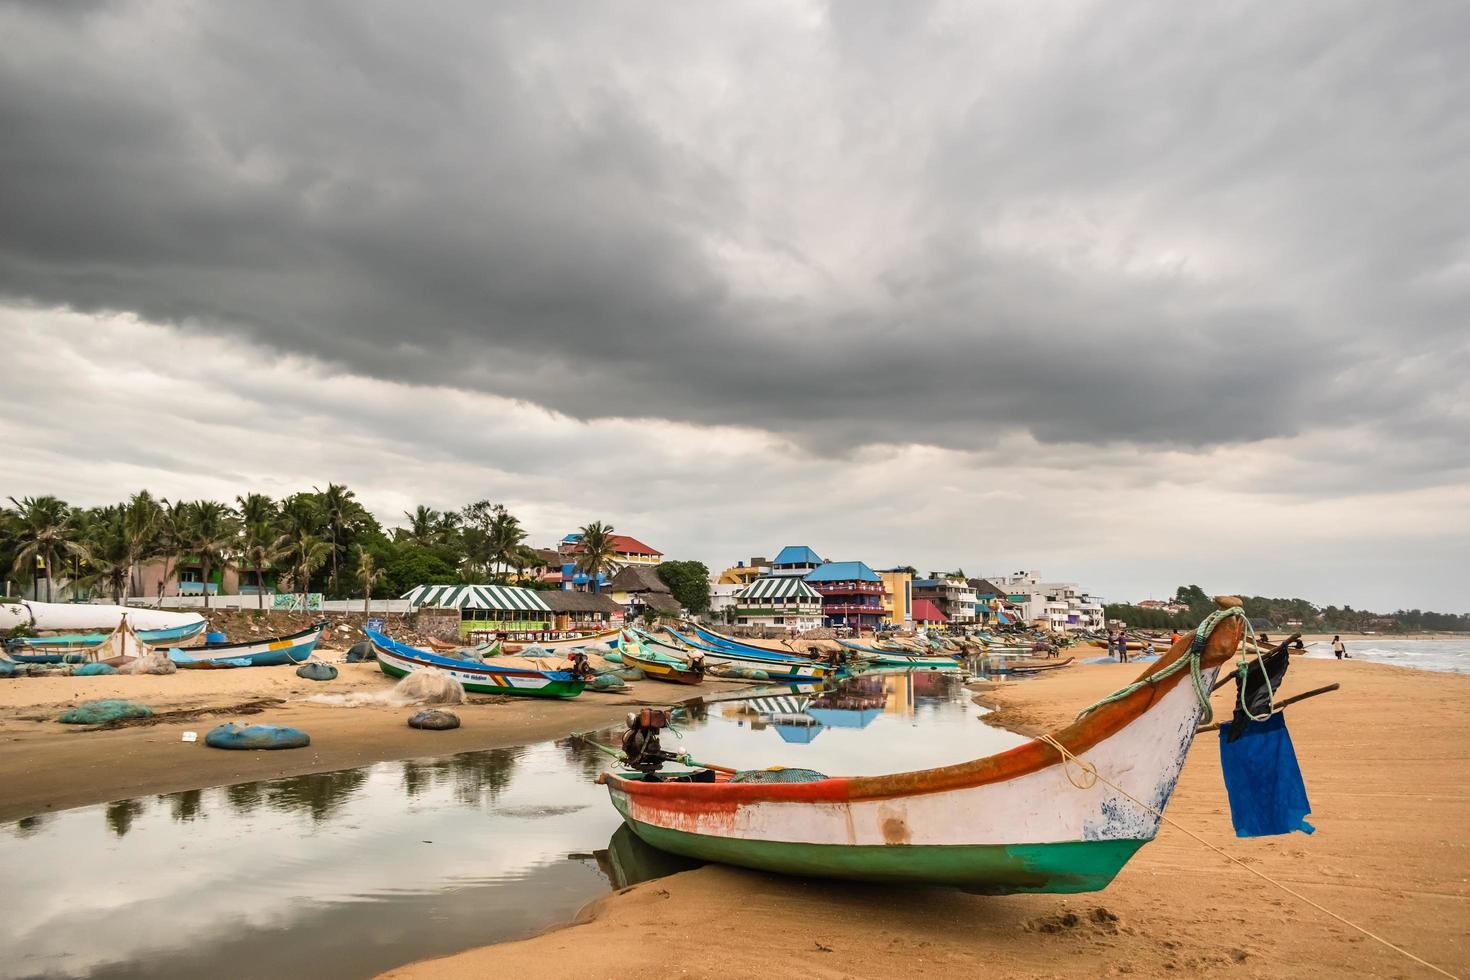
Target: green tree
422,525
410,566
44,534
303,553
213,538
338,508
689,583
595,552
142,524
108,560
368,575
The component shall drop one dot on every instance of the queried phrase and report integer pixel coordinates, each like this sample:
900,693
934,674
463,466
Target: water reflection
358,871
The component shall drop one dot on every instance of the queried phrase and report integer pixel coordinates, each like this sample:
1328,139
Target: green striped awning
507,598
779,587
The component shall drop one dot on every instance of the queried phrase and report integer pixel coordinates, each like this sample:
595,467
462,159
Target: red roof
927,612
632,546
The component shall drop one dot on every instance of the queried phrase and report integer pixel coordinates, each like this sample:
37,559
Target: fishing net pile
104,711
428,686
152,662
778,776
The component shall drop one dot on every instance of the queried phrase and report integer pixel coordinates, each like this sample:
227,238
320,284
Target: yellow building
742,574
898,597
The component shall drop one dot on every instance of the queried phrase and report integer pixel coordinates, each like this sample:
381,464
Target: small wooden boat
779,667
399,660
1012,822
277,651
75,647
567,644
1029,667
663,668
893,658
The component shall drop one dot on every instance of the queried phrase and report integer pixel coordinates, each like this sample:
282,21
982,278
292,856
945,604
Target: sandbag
154,662
434,720
234,736
94,670
360,652
315,670
429,686
104,711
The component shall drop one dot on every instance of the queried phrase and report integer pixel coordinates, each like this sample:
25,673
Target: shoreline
46,766
1383,759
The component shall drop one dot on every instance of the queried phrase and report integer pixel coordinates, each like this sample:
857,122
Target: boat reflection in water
628,861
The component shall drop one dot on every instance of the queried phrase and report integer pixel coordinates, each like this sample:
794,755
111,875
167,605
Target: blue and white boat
277,651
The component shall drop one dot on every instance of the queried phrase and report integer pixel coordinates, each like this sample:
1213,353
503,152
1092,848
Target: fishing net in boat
778,776
153,662
429,686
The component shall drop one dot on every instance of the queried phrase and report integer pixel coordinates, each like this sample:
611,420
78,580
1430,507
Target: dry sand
47,766
1386,762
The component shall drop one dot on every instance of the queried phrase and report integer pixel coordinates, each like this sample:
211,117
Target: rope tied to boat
1091,777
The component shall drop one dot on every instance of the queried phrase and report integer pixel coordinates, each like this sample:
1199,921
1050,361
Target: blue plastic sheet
1267,795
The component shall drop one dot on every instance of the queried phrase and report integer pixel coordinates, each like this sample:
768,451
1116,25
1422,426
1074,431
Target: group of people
1118,645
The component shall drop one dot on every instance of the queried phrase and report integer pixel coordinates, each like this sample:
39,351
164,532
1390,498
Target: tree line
322,540
1280,612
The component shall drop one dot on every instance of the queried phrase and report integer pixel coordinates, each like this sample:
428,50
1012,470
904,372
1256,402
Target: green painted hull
988,869
554,689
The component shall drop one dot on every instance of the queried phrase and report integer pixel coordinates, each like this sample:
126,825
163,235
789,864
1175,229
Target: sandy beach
1386,761
48,766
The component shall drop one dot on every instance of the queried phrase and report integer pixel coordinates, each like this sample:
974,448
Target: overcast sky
1135,294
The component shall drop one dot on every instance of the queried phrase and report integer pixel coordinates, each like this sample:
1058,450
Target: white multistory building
1062,606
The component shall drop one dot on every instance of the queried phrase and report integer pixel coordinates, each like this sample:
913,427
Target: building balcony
852,609
849,588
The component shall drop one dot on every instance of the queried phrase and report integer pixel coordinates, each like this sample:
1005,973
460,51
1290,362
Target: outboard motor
696,664
581,668
640,741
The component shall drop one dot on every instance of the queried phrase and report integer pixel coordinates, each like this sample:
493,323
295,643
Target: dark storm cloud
1158,224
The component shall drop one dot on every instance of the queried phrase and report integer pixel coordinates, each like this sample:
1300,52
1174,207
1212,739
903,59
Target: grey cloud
1211,213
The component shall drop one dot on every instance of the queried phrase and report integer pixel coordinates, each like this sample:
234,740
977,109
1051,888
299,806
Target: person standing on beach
1122,647
1338,648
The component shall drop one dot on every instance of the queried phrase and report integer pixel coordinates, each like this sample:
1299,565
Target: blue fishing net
778,776
102,712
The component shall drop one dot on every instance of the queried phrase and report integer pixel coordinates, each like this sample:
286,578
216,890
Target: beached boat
87,619
277,651
77,647
1029,667
896,658
663,668
1012,822
779,667
399,660
609,638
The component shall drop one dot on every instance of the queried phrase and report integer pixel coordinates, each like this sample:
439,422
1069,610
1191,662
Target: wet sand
48,766
1387,765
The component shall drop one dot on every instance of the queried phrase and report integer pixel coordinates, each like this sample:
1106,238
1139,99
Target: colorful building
486,608
583,610
898,596
782,602
626,551
953,596
797,560
928,614
743,574
852,594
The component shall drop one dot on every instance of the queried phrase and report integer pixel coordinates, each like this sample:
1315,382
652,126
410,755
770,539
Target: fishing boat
663,668
77,647
1014,822
399,660
278,651
894,658
609,638
1029,667
779,667
86,619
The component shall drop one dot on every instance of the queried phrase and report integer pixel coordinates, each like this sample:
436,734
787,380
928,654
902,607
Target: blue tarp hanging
1267,795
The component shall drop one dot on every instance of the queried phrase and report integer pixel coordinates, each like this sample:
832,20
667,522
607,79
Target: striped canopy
779,587
498,597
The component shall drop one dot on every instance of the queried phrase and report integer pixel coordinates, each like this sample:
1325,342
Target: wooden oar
1277,706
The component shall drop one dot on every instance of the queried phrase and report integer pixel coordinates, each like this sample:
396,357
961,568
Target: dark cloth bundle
1257,695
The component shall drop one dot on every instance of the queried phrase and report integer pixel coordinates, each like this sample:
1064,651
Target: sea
1445,654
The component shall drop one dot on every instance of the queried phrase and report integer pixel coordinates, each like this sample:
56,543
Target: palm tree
369,575
421,524
44,532
303,553
142,518
505,538
173,530
108,554
447,527
214,536
338,507
257,550
595,552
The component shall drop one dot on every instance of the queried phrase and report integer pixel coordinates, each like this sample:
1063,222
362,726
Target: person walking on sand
1338,648
1122,647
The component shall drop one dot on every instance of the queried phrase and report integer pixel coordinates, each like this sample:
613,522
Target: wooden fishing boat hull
609,638
1012,822
789,668
1030,668
890,658
278,651
661,670
398,660
69,648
